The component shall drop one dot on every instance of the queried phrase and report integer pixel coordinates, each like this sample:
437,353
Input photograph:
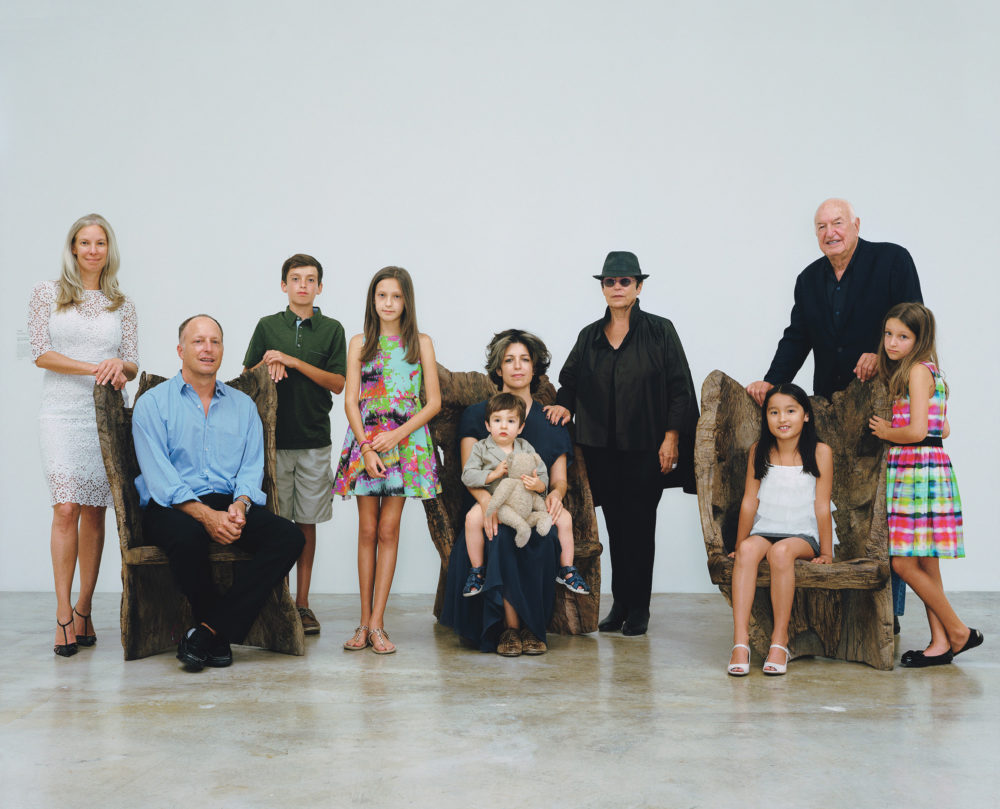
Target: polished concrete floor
600,721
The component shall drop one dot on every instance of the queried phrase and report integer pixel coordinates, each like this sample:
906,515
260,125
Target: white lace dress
71,452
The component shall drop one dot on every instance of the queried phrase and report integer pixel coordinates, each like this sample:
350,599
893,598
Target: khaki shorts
305,483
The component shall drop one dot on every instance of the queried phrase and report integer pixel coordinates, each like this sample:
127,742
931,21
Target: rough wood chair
572,614
154,614
842,610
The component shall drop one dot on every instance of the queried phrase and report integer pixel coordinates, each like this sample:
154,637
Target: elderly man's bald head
839,204
837,229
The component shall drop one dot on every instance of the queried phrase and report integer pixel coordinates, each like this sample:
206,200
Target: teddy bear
515,505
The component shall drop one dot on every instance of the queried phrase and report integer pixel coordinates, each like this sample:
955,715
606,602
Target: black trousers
275,543
628,486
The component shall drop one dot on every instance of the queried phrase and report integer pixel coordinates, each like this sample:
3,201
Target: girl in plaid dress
922,499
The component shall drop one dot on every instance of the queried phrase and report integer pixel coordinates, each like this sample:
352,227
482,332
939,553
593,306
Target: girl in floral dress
922,499
387,454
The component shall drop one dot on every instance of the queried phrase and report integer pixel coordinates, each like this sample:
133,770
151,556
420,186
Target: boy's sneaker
571,579
310,626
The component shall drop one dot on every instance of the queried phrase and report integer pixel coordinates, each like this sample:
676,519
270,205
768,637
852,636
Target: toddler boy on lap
485,468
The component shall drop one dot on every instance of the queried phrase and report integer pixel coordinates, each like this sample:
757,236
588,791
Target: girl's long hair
69,291
768,441
896,373
407,321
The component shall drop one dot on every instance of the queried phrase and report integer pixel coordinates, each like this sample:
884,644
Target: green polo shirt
303,406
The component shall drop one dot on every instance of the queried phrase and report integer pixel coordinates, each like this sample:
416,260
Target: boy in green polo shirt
305,353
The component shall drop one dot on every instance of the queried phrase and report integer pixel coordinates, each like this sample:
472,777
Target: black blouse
649,379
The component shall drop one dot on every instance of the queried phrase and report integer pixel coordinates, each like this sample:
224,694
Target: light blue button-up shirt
184,454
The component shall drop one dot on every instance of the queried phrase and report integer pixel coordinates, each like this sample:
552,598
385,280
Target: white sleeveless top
787,503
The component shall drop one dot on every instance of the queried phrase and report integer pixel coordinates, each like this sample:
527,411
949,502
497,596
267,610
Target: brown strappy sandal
383,636
356,638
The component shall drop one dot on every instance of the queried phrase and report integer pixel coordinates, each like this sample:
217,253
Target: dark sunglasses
624,283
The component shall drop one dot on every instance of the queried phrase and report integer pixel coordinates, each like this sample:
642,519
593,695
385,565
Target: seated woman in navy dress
511,614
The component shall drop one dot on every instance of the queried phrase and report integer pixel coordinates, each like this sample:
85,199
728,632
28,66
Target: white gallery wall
498,151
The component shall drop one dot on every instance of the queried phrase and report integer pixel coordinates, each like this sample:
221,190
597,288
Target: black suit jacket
882,275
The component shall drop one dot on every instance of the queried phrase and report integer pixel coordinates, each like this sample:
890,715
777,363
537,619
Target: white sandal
739,669
777,668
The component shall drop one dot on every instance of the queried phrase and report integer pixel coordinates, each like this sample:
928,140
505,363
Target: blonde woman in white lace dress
83,332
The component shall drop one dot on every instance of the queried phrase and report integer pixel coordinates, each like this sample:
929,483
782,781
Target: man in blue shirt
200,447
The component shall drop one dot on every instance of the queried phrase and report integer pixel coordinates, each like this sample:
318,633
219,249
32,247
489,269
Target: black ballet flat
66,649
975,639
918,660
85,640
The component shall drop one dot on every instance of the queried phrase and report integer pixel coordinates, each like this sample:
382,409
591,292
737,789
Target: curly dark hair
540,356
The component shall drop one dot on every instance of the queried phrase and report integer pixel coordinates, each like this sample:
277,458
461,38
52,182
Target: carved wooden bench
154,614
572,614
842,610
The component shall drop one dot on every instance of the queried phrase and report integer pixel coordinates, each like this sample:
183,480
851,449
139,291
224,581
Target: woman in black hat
628,385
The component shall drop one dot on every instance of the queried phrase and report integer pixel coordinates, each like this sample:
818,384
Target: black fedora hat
621,264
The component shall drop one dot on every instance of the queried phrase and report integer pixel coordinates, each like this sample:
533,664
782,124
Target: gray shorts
305,485
813,542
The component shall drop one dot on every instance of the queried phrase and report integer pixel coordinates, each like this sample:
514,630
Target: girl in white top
786,514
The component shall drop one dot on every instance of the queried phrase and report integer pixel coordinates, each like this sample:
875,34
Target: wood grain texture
154,614
842,610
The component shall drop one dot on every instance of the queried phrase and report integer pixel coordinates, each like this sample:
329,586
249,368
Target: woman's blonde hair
70,286
896,373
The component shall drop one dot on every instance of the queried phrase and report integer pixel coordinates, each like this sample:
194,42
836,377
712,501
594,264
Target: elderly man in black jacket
840,301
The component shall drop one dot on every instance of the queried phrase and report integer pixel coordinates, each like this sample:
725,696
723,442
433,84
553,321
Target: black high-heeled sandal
66,649
85,640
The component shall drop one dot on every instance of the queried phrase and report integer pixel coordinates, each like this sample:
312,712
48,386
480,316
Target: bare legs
378,543
304,564
77,534
511,619
923,574
781,556
474,537
564,530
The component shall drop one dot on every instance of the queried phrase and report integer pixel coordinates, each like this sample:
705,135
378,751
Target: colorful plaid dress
390,396
925,509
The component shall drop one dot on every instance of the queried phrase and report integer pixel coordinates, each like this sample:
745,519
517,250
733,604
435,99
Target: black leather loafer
614,620
637,623
192,651
220,654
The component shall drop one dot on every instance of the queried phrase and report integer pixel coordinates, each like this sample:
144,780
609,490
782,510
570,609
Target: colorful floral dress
922,499
390,396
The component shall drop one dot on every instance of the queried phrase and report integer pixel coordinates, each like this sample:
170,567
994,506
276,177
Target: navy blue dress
524,576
